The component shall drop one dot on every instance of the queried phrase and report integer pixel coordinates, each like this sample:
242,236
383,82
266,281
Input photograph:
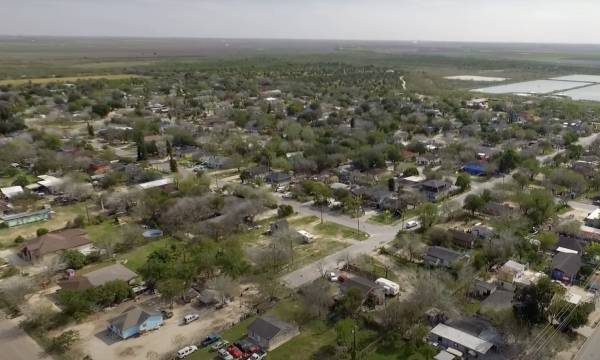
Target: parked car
190,318
235,352
210,339
247,346
332,276
411,224
167,314
224,355
186,351
259,355
219,345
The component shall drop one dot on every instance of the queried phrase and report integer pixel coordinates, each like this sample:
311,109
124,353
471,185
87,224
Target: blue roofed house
134,321
475,168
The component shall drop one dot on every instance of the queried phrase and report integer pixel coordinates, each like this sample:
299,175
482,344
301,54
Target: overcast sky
564,21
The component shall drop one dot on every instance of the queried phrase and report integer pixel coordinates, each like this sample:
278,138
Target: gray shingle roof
268,327
131,317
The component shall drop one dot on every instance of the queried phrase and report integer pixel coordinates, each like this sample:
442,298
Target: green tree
508,160
62,343
171,288
538,205
101,109
548,240
428,214
463,181
74,259
473,203
90,130
410,171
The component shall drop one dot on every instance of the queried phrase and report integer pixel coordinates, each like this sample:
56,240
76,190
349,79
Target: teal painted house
135,321
13,220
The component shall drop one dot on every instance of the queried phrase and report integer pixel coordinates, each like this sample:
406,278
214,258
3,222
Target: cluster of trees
78,304
545,302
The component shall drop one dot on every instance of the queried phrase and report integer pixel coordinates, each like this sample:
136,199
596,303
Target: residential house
135,321
11,191
565,267
99,277
269,332
476,168
510,270
257,173
373,196
49,184
435,190
23,218
164,183
369,289
593,219
482,289
498,209
463,239
470,346
441,256
569,244
55,242
278,178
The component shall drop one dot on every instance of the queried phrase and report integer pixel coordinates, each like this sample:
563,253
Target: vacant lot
67,79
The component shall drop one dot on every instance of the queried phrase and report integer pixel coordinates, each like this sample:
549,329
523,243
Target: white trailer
390,287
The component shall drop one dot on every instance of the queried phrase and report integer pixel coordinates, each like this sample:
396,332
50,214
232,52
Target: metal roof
460,337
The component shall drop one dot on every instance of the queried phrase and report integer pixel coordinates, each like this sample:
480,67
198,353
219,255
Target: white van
190,317
390,287
186,351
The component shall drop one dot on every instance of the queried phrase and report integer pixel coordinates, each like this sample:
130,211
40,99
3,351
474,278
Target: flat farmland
68,79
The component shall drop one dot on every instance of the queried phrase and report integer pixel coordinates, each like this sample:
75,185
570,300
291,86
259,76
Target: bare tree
225,286
317,297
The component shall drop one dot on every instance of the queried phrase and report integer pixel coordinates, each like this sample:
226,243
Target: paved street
380,235
15,344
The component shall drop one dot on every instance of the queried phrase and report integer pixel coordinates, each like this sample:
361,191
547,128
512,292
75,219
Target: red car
235,352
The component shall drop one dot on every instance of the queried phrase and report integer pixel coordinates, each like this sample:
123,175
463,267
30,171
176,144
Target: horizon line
414,41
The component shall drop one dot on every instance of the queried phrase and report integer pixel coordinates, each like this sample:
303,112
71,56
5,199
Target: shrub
19,239
285,211
41,231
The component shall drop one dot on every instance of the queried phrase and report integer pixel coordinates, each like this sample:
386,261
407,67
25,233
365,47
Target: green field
67,79
335,230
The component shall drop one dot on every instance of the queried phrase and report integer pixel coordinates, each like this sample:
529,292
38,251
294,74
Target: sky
545,21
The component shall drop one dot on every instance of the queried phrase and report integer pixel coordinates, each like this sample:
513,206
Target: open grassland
67,79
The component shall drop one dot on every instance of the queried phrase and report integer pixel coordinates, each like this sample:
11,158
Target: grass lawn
313,335
137,257
305,220
333,229
400,350
67,79
305,254
61,216
385,219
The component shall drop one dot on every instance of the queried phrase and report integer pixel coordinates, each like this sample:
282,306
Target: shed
269,332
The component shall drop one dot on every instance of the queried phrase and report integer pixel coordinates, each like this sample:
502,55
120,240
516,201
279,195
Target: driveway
100,345
16,344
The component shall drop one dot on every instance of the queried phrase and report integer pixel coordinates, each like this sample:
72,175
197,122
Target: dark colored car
167,314
247,346
210,339
235,351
